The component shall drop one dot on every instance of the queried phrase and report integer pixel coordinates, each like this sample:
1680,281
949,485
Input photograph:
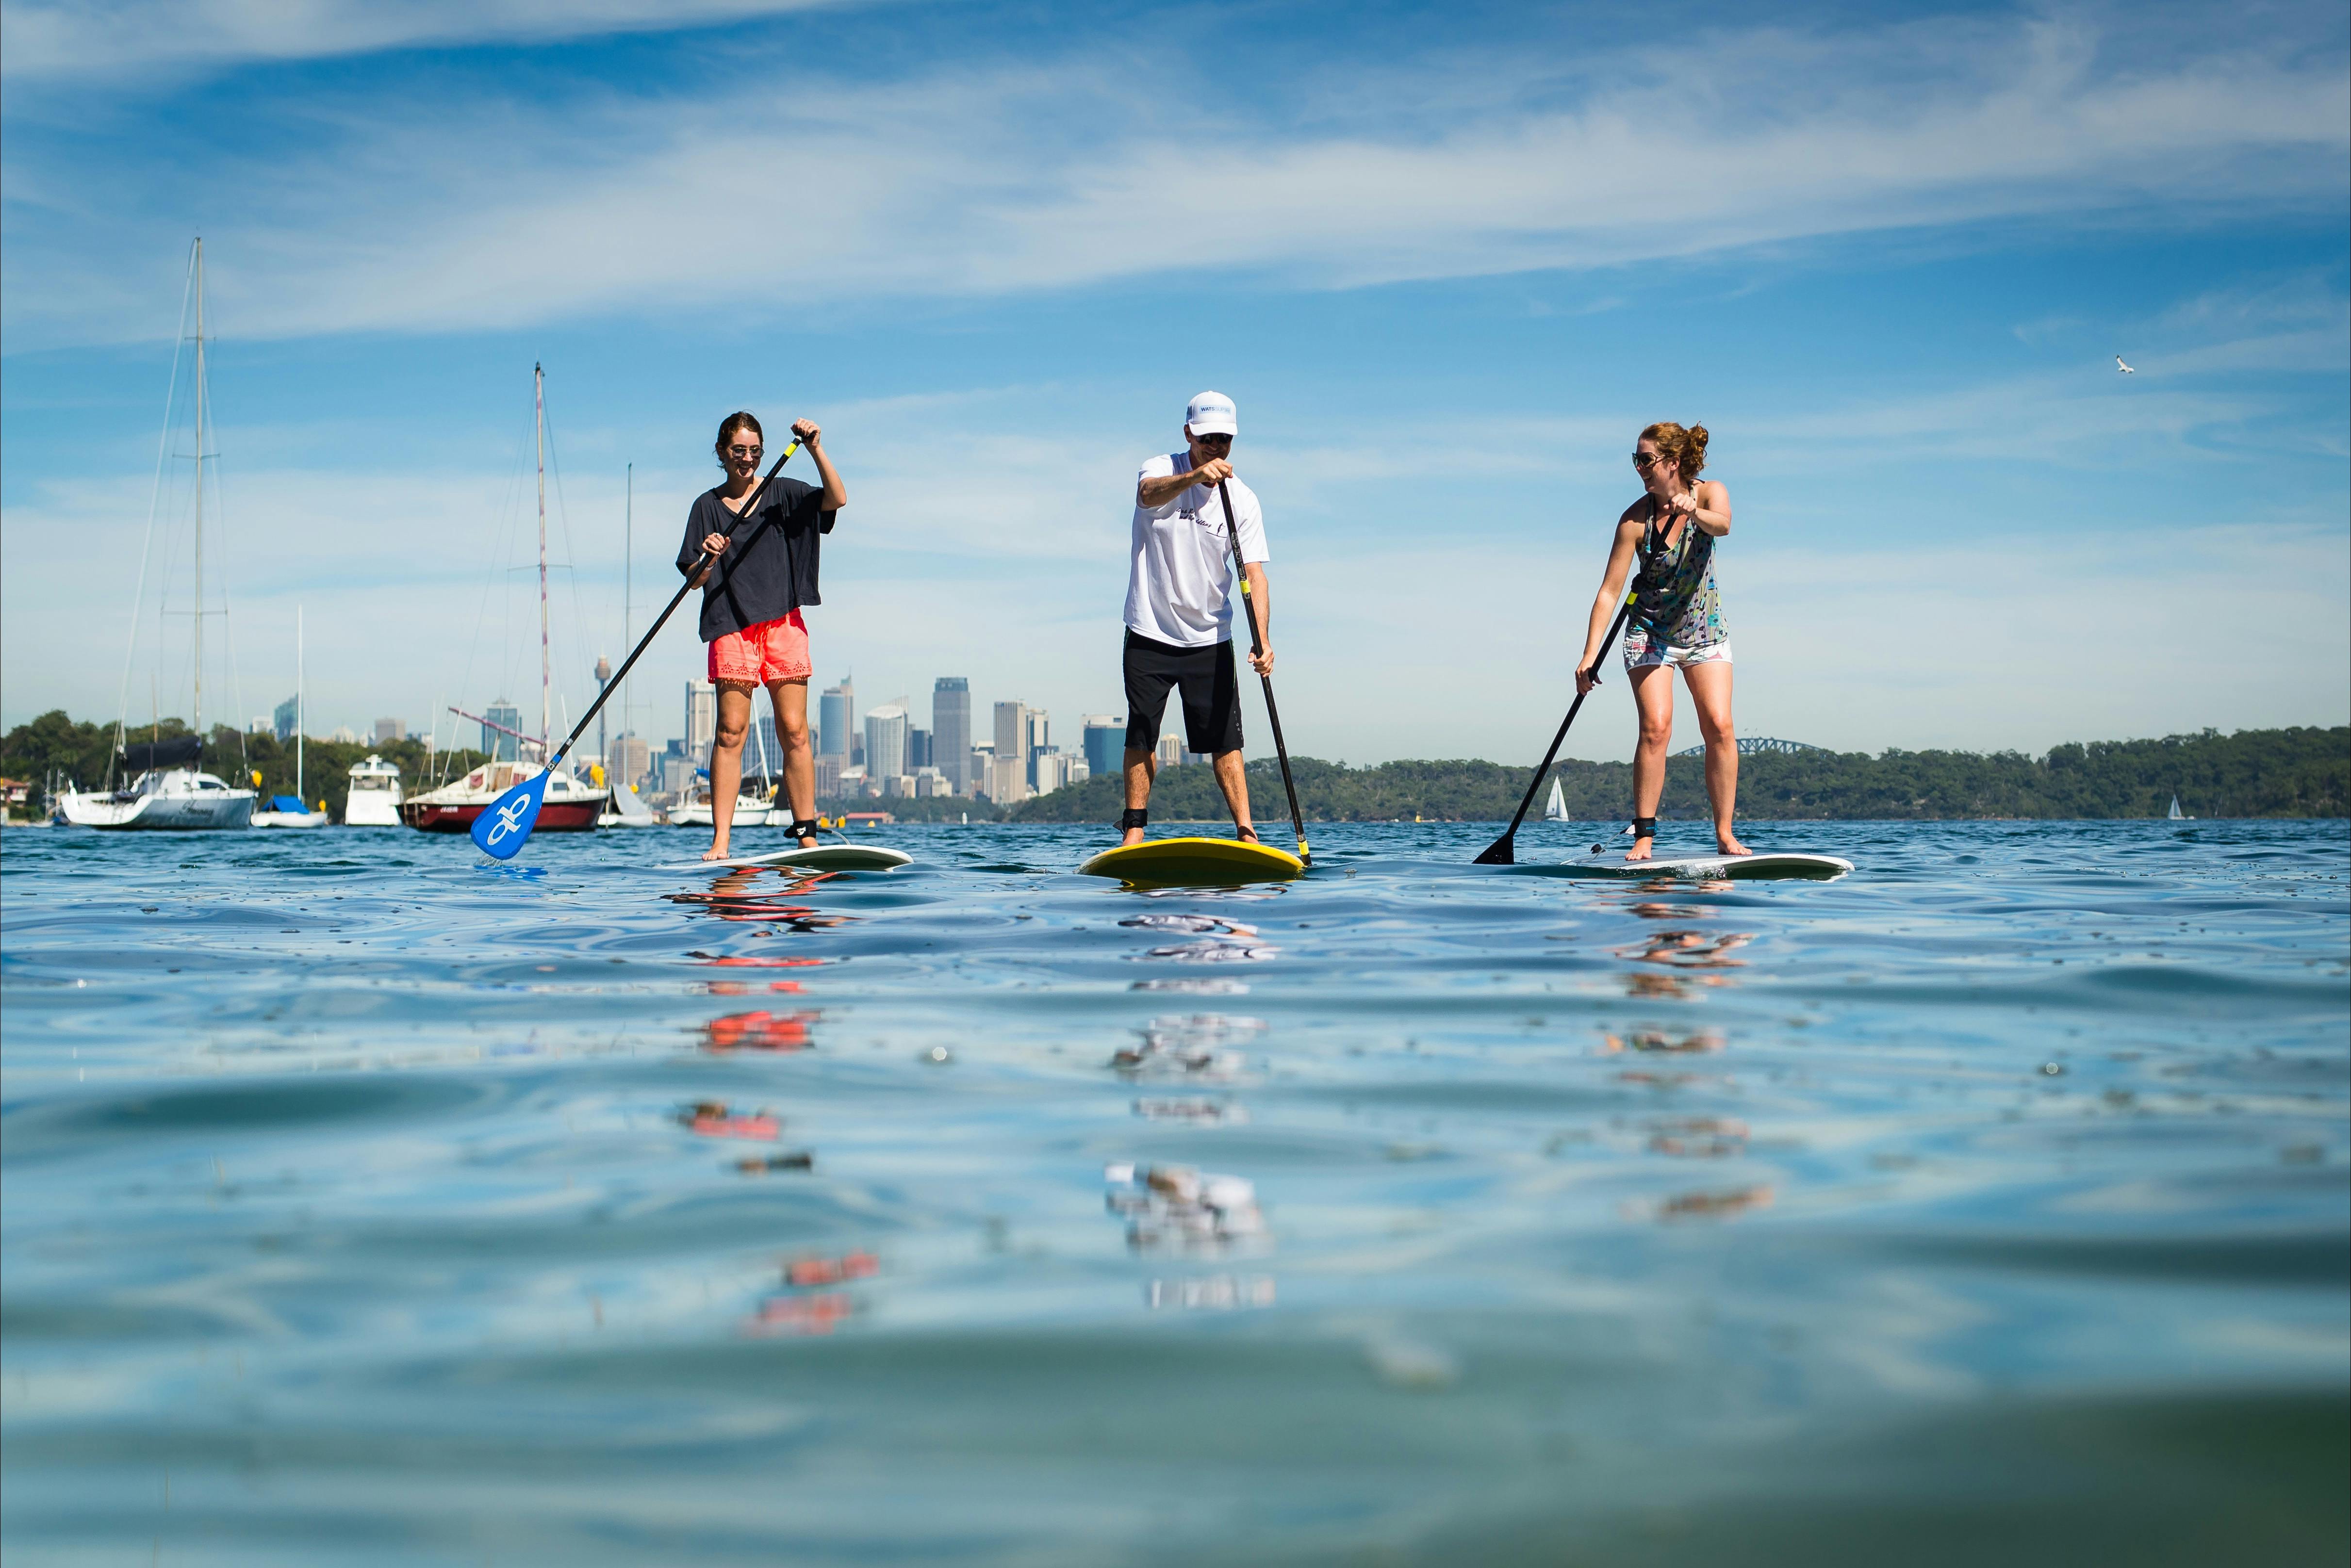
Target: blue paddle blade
502,829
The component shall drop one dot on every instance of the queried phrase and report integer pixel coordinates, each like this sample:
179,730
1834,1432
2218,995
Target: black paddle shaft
749,507
1257,646
1503,851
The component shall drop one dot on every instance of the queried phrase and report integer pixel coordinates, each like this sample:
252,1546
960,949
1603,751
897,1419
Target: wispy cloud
107,38
994,180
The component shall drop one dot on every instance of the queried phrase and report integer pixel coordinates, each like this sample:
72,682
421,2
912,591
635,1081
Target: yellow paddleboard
1167,863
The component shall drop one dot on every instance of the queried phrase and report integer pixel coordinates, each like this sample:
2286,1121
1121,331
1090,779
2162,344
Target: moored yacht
164,794
570,807
374,798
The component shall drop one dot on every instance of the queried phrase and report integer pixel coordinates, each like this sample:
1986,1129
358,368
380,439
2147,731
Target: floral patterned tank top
1678,605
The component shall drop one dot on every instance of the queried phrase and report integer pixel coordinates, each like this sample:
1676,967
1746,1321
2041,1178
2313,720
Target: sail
177,752
2174,814
1556,811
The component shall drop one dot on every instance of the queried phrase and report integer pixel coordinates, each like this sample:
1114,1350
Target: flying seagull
2124,368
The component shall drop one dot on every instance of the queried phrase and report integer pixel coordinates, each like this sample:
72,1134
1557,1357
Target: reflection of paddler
760,1030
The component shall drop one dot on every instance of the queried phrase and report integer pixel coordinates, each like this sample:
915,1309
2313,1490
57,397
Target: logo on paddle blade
510,821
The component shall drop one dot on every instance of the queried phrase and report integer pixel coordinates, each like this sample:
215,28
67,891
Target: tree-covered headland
2299,772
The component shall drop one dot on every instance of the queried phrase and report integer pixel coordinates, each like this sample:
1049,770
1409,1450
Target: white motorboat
694,811
374,798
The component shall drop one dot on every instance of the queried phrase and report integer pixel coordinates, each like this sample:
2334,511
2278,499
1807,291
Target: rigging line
154,498
570,552
228,623
490,579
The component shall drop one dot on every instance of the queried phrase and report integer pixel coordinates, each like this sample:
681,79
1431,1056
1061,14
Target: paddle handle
661,620
1257,646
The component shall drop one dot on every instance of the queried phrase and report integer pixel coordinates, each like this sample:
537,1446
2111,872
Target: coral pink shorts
771,651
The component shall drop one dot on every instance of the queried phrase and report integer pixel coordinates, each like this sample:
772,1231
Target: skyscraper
1012,733
1036,740
918,750
885,743
701,720
1105,743
836,716
289,714
951,731
390,729
497,743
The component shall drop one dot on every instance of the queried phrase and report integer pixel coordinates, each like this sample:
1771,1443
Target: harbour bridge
1753,745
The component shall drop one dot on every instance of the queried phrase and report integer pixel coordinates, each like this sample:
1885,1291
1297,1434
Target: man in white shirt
1178,617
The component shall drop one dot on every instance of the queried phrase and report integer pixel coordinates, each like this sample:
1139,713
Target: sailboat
288,810
1555,809
571,805
2175,814
162,789
754,795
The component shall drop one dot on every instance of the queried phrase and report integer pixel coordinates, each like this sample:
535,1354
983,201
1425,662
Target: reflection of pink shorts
771,651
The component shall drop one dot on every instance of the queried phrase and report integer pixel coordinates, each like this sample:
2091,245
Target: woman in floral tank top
1676,624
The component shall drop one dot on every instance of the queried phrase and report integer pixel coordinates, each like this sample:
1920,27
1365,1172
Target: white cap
1211,414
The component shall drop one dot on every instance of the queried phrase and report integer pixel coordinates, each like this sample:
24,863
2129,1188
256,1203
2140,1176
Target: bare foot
1133,836
1641,849
1724,843
716,852
811,842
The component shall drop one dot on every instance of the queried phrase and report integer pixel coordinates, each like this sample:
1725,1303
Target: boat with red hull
571,806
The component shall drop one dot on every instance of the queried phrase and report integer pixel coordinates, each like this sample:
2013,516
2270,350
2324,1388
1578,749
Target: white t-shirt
1180,564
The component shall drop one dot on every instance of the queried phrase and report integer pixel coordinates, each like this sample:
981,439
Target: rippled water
366,1204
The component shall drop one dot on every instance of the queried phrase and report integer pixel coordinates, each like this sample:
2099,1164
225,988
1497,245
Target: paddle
1502,851
502,829
1257,646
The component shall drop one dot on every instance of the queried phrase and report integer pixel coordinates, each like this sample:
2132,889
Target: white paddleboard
831,857
1710,868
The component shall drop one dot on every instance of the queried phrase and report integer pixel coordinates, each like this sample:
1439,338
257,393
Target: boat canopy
176,752
287,803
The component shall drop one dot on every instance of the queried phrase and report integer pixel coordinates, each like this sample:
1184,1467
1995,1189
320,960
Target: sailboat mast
199,616
300,718
628,551
546,674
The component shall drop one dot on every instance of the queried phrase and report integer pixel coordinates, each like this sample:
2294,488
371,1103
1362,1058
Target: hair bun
1697,436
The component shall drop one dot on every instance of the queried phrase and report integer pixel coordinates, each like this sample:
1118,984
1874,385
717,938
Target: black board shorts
1211,691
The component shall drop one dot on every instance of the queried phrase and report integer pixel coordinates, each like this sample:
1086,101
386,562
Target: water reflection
1658,1042
1698,1137
759,1030
1198,1046
1177,1206
1716,1205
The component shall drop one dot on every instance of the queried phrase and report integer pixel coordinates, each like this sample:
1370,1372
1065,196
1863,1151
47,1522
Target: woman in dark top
756,573
1676,623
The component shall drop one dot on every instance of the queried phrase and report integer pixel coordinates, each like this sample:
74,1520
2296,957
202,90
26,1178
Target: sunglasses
1645,462
751,452
1214,440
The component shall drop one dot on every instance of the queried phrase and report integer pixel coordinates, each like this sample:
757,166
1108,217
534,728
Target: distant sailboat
1556,809
2175,814
288,810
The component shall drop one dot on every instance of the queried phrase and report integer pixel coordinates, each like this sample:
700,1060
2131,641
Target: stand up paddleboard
831,857
1173,862
1710,868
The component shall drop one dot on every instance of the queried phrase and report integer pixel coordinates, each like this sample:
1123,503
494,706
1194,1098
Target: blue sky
1448,260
